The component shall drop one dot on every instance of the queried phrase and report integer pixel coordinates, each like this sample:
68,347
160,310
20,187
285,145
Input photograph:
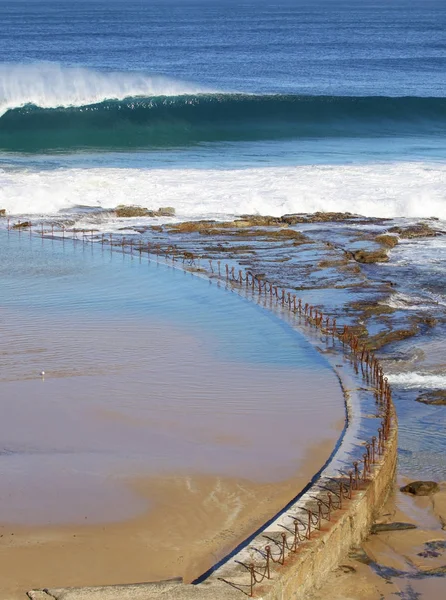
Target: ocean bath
162,393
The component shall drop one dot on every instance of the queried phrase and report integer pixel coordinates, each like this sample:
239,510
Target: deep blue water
331,47
207,84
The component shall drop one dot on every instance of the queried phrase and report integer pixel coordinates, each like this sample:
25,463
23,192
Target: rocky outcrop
123,211
419,230
433,397
370,256
421,488
389,241
23,225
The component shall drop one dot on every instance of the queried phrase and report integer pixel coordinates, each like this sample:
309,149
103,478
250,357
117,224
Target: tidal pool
166,399
148,371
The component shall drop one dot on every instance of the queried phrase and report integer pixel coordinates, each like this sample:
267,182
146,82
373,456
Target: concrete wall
312,564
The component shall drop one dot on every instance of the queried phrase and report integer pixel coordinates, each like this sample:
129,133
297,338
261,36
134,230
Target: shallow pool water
149,371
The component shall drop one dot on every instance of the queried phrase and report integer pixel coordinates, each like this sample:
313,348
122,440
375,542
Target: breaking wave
55,108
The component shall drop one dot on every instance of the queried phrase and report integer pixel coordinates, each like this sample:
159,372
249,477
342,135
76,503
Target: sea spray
51,85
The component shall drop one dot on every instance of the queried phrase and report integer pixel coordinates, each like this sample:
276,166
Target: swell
175,121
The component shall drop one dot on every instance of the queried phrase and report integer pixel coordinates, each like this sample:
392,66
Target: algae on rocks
124,211
131,211
370,256
389,241
433,397
415,231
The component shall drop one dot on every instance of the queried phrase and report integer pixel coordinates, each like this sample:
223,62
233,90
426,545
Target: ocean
223,107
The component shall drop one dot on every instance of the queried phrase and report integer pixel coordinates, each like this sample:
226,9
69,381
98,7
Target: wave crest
51,85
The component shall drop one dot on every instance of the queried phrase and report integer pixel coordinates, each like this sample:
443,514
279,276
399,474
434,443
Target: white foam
406,302
418,380
381,190
51,85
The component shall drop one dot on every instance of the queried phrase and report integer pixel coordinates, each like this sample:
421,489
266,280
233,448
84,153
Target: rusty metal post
282,553
253,580
268,562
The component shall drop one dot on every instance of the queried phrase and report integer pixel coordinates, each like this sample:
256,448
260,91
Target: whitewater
398,189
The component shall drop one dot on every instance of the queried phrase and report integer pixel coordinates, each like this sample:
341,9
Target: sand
194,521
399,566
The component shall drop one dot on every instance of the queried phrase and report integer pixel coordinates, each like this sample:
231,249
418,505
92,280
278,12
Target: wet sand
192,523
408,564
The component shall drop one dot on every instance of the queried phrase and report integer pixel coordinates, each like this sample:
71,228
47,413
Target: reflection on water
148,371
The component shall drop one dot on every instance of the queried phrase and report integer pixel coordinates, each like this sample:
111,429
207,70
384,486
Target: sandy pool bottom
161,434
193,521
101,486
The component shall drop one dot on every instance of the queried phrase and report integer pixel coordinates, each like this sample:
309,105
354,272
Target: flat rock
421,488
433,397
397,526
419,230
370,256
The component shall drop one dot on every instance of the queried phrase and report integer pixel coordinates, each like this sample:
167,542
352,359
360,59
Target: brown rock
2,212
260,221
388,337
370,256
421,488
165,211
389,241
24,225
433,397
132,211
415,231
318,217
